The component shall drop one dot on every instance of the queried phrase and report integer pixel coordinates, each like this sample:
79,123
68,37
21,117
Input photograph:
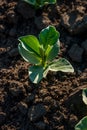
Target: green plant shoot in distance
40,3
82,125
41,53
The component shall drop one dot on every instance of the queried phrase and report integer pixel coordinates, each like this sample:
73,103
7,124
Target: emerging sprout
40,3
41,54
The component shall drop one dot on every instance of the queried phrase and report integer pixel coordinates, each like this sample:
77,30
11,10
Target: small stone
40,125
75,96
42,22
75,53
84,46
25,10
23,107
12,32
74,22
2,117
36,112
14,52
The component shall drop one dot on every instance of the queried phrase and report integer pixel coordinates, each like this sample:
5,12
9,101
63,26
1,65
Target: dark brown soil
59,95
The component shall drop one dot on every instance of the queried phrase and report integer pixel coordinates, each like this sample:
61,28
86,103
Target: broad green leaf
40,3
28,55
35,73
32,2
30,42
42,51
50,1
84,95
53,52
48,36
61,65
82,125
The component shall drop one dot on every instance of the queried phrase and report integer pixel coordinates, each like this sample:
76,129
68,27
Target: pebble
84,46
76,53
40,125
25,10
36,112
42,22
74,22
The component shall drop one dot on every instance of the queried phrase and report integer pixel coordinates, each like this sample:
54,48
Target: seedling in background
40,3
82,125
41,53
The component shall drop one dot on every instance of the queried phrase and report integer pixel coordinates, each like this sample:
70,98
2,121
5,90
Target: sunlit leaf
82,125
61,65
32,2
40,3
48,36
29,56
53,52
41,53
30,42
35,73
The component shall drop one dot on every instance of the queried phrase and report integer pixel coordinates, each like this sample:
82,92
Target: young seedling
41,54
40,3
82,125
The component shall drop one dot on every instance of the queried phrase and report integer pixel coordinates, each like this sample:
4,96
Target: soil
56,102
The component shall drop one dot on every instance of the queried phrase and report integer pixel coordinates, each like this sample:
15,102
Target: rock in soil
72,103
42,22
23,107
74,22
25,10
84,46
40,125
75,53
36,112
2,117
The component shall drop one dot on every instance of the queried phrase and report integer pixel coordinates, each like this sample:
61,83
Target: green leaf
50,1
30,42
82,125
48,36
61,65
40,3
28,55
36,73
53,52
32,2
84,95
